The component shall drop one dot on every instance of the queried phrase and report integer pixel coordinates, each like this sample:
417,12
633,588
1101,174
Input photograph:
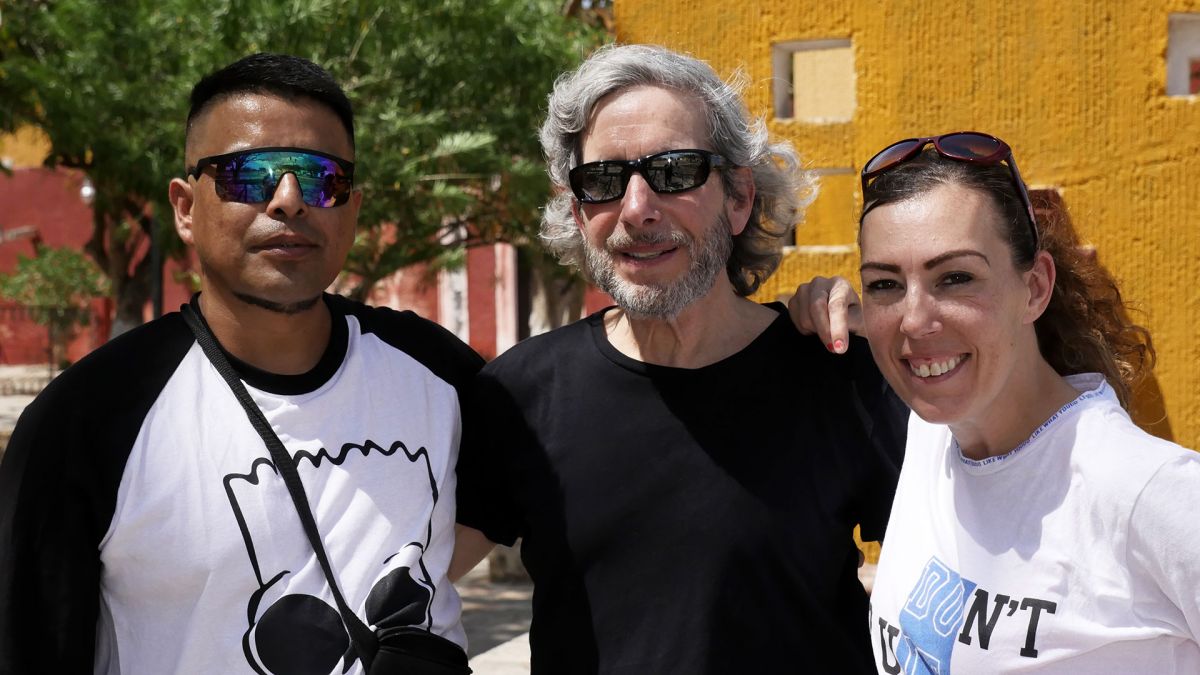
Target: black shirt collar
291,385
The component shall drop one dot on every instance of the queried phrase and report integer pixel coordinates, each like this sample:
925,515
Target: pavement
496,617
18,386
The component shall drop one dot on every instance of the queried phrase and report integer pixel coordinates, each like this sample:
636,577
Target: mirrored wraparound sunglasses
965,146
251,176
665,172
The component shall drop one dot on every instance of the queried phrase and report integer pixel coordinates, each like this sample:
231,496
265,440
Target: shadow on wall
1148,409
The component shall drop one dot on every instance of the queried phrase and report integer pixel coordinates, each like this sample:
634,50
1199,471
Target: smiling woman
951,317
1035,527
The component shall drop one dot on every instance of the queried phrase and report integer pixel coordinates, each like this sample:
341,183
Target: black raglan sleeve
58,488
49,561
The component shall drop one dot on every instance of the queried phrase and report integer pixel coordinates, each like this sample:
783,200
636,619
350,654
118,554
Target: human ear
1039,280
180,194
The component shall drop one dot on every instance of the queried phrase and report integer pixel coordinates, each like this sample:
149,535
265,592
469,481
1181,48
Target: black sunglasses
665,172
251,176
965,146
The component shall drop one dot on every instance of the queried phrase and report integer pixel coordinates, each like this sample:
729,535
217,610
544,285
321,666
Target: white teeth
936,368
644,256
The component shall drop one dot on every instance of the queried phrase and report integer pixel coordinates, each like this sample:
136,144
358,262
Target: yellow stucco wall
1075,86
25,148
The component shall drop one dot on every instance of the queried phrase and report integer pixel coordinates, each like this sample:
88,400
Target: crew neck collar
302,383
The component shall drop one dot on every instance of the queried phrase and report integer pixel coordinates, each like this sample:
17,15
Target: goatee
709,257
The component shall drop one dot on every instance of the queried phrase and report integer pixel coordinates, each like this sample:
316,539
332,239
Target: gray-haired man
685,468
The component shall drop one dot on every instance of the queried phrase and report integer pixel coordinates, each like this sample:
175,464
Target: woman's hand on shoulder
830,308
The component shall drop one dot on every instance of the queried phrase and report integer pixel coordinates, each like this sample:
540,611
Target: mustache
619,240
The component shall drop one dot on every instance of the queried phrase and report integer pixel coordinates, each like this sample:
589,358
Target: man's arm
470,547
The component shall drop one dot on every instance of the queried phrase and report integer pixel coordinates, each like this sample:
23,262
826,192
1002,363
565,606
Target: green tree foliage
55,286
447,95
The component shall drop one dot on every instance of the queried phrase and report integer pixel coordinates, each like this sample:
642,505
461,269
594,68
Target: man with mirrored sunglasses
251,176
145,526
685,470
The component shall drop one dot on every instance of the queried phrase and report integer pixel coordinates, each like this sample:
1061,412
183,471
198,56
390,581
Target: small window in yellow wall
1183,55
814,80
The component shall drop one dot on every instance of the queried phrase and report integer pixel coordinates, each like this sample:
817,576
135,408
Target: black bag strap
365,643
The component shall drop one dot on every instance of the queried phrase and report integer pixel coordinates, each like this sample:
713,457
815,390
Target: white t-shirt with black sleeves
1077,552
141,514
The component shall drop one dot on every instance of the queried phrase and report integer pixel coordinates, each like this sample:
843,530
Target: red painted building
51,207
43,206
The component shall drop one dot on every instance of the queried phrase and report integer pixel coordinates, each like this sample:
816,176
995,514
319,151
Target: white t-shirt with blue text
1077,552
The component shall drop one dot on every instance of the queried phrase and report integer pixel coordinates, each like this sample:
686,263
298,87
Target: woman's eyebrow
929,264
948,255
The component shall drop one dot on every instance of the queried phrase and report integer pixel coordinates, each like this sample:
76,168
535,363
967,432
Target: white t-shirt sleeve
1164,547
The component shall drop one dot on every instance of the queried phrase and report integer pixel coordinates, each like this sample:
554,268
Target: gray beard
288,308
709,257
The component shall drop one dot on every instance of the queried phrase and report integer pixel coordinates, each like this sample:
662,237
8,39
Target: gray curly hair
782,188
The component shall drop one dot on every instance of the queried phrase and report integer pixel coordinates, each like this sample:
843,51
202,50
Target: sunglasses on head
251,176
965,146
665,172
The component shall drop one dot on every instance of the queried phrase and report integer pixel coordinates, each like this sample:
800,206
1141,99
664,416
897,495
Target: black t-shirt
685,520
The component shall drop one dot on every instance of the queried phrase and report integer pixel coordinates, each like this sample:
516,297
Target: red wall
40,205
412,288
47,202
481,299
44,205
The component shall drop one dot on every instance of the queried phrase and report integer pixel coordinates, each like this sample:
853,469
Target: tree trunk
131,298
556,298
130,281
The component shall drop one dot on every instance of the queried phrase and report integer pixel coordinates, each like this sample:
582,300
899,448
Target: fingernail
839,346
829,346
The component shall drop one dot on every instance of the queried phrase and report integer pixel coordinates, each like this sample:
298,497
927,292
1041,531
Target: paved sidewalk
11,407
510,658
18,386
496,617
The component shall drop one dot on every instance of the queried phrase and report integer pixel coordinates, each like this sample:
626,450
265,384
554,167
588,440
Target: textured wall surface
1075,86
26,148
